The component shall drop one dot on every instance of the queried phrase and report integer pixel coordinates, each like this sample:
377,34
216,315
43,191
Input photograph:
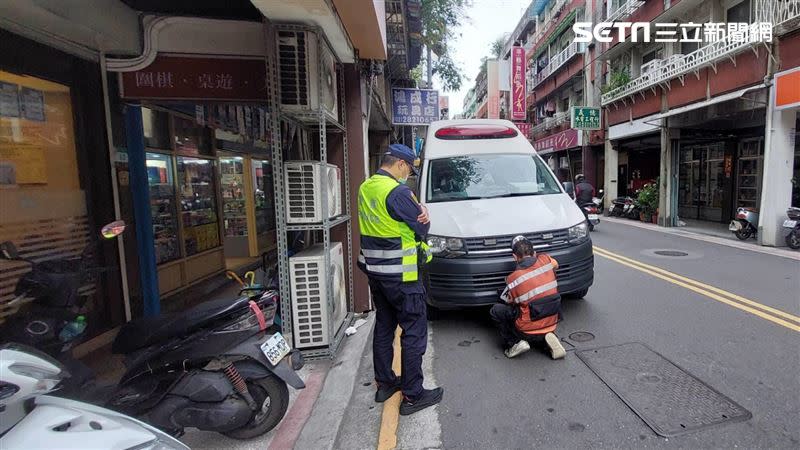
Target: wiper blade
518,194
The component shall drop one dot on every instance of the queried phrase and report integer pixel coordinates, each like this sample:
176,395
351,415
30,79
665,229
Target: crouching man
532,305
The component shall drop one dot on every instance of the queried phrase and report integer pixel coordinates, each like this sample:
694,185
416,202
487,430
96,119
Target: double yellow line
776,316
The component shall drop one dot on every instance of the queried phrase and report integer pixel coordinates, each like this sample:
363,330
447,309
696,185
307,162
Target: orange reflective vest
535,290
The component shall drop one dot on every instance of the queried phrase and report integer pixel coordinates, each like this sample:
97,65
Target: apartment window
739,12
579,97
565,104
689,47
651,55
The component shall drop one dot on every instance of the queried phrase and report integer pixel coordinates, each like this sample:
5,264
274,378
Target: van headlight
579,233
445,247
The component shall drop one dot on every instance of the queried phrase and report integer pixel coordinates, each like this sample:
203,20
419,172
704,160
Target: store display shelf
319,226
200,224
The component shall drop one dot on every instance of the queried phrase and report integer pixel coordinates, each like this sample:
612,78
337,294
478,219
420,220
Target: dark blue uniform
399,303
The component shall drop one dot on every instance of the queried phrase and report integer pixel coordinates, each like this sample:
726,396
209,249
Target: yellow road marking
702,285
676,279
387,439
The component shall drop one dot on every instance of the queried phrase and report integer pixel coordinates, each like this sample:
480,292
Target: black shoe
385,392
428,398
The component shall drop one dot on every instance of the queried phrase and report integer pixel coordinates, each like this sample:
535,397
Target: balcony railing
551,122
556,62
624,10
679,65
783,14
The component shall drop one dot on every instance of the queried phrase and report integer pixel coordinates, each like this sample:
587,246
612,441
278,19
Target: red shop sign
524,129
518,64
559,141
197,78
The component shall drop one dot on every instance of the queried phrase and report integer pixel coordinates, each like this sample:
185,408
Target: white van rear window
488,176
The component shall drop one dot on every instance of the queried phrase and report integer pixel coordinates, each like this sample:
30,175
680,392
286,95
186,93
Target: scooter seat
141,333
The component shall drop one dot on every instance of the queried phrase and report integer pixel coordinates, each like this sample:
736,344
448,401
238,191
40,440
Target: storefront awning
712,101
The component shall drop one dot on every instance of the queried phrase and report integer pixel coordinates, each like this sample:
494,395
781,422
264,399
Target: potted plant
648,198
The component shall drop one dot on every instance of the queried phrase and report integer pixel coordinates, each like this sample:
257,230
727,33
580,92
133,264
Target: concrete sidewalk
708,234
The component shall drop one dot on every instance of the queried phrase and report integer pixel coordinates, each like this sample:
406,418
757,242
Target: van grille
501,245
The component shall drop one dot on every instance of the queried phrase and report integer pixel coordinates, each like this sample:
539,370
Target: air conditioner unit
299,65
304,181
315,313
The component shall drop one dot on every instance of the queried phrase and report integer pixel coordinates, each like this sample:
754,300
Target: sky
487,20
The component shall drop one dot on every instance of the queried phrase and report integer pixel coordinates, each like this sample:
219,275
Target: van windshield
488,176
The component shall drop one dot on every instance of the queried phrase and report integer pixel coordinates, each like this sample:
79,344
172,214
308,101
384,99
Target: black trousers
504,317
403,304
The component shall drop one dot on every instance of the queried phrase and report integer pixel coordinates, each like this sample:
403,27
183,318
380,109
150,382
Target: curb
322,427
774,251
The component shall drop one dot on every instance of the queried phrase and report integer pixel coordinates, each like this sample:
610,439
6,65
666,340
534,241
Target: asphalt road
493,402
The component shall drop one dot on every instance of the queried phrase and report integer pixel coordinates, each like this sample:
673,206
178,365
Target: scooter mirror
8,250
113,229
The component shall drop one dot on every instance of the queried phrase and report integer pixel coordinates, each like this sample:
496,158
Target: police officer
393,230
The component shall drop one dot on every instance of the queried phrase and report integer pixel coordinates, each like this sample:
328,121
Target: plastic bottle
73,329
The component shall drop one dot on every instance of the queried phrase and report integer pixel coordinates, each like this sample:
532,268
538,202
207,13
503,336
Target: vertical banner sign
518,106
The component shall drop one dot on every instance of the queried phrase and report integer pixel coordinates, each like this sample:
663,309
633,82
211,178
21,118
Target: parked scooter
745,224
793,226
50,306
618,206
219,366
29,419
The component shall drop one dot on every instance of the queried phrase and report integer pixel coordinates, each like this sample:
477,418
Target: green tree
497,47
440,18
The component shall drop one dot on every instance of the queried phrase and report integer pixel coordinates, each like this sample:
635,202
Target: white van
484,184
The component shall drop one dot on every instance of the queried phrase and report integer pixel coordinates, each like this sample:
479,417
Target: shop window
155,125
264,197
160,176
198,204
234,210
190,138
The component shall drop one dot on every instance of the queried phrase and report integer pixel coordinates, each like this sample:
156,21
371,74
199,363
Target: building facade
700,117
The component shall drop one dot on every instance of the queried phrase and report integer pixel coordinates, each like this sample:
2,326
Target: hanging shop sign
787,89
197,78
414,106
524,128
560,141
518,64
585,118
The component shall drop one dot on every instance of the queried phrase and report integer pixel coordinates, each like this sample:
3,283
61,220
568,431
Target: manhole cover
668,399
670,253
581,336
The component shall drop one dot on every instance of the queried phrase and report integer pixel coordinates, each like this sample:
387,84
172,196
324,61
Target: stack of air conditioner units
304,182
299,65
314,313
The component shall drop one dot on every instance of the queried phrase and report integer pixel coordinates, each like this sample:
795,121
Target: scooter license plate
593,217
275,348
789,223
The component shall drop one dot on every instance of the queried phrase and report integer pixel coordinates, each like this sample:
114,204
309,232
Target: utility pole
430,69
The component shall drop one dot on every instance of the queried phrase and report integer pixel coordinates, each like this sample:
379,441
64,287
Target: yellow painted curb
387,439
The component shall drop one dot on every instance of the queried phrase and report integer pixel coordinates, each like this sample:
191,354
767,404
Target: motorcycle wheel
273,396
793,239
742,234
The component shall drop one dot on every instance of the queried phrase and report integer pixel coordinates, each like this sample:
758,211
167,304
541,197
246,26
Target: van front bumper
462,282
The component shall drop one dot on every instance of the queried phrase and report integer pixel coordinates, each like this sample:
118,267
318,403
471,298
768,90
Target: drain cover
581,336
668,399
670,253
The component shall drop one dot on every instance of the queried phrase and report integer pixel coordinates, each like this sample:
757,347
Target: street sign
414,106
585,118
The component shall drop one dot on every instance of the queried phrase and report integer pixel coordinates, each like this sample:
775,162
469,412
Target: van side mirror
569,187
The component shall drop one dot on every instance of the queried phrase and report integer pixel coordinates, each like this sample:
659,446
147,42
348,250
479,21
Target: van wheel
578,295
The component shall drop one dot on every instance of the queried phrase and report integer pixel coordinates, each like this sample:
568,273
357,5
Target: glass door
162,206
713,182
688,180
748,174
198,198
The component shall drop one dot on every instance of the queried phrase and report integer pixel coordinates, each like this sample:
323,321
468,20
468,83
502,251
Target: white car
484,184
